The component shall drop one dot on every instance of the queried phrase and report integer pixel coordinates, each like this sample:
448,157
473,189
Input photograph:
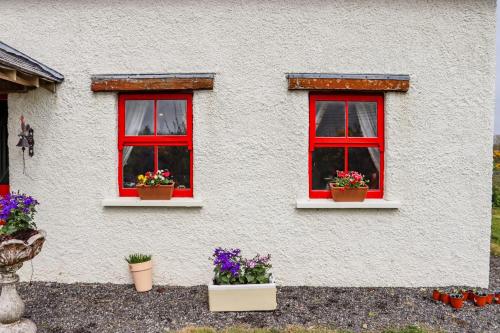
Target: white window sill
330,204
136,202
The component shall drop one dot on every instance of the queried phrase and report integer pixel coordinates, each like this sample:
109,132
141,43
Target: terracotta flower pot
161,192
143,275
480,300
445,298
343,194
457,301
470,295
436,295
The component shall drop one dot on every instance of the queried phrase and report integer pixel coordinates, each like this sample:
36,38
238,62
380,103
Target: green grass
293,329
495,232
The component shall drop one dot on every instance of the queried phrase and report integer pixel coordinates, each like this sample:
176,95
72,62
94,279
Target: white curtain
367,117
138,115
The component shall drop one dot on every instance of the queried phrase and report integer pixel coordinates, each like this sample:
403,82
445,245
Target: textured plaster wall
251,137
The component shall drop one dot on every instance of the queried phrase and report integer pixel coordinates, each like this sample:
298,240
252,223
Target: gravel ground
91,308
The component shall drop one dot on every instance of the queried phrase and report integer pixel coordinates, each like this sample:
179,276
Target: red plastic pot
445,298
465,294
489,298
497,298
436,295
457,303
470,294
480,300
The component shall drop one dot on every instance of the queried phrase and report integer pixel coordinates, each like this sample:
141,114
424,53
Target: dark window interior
4,152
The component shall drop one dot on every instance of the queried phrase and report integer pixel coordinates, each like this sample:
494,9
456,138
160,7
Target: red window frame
346,142
155,140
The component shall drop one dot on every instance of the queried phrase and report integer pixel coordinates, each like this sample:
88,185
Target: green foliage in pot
138,258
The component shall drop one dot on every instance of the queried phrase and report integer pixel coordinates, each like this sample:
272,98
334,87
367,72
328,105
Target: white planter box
242,297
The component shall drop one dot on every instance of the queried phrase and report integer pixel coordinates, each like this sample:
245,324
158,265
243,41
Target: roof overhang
20,73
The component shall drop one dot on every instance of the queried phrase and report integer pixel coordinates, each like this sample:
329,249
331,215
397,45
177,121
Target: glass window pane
136,161
139,117
325,163
171,118
362,119
330,119
177,161
366,161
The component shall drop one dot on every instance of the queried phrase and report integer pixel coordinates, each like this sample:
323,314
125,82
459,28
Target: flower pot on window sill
242,297
142,274
160,192
342,194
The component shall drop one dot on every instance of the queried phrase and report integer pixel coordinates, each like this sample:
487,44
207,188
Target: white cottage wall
251,137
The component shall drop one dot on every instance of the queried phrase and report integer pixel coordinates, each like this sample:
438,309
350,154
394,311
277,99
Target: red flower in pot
457,300
349,186
445,298
436,294
480,298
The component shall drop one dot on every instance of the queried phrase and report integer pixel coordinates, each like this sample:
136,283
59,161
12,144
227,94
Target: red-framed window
346,132
155,131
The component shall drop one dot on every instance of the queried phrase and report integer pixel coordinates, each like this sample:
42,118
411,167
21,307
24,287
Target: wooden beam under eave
10,87
16,77
151,84
348,84
50,86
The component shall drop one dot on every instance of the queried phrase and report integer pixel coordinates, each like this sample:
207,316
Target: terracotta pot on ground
457,301
436,295
445,298
161,192
143,275
480,299
342,194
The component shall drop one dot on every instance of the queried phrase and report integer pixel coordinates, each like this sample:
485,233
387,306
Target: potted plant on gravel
155,186
457,300
349,186
20,241
141,267
445,297
480,298
497,297
241,284
436,294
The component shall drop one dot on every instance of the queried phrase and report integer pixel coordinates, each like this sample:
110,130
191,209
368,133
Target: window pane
367,162
362,119
330,119
139,117
177,161
325,163
171,119
136,161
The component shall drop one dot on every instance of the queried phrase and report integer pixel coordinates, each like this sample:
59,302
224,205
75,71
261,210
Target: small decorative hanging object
26,140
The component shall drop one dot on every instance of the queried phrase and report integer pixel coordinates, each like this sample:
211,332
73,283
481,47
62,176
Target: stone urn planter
13,253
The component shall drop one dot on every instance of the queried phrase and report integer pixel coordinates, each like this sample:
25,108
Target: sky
497,99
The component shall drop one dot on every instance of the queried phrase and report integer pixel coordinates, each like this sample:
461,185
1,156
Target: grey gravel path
96,308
